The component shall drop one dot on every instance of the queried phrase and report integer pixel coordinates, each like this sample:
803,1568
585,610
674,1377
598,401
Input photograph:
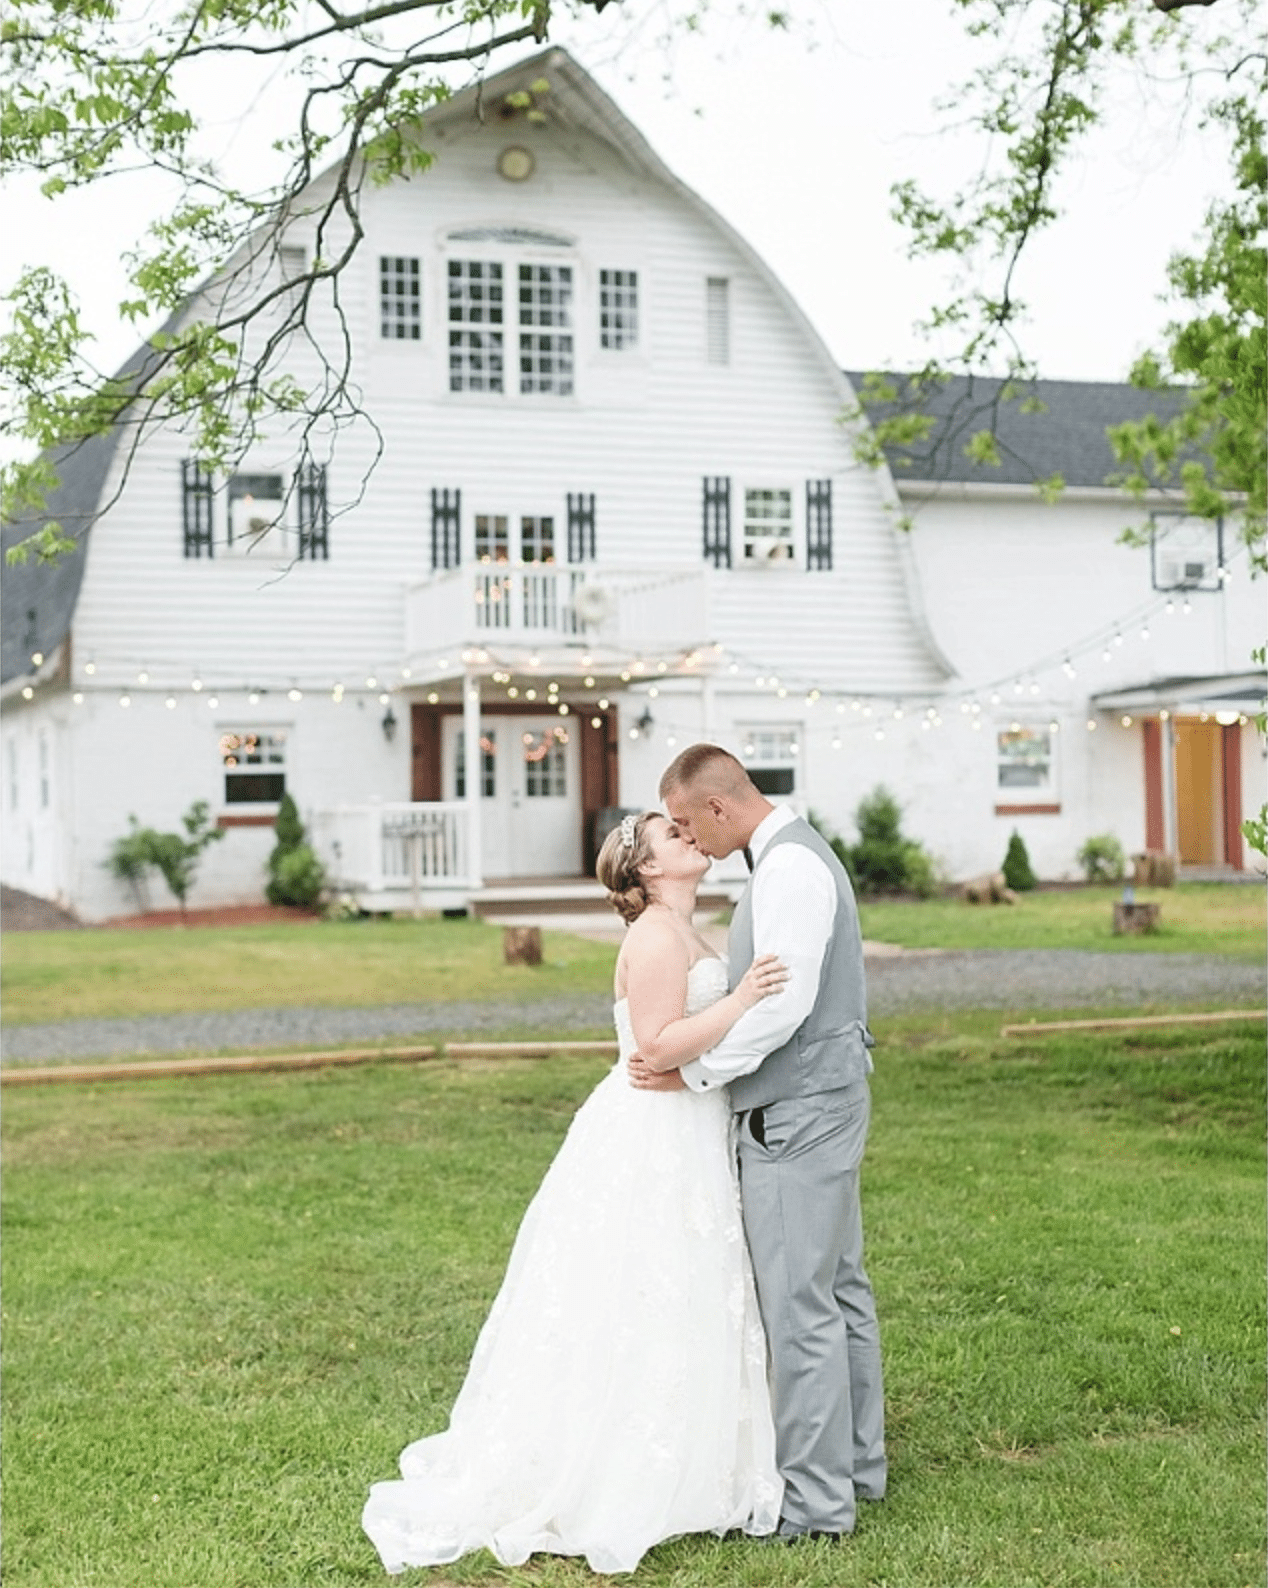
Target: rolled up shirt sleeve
794,907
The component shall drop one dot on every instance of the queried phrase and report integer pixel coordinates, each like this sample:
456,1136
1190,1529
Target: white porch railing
543,604
395,857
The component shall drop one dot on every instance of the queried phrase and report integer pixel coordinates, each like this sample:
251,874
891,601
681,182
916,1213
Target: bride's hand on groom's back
649,1080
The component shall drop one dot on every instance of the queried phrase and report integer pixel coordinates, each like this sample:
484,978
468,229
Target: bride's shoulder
653,934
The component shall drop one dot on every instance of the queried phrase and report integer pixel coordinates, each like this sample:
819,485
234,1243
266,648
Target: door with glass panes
530,777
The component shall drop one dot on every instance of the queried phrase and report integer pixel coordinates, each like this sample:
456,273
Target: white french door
530,777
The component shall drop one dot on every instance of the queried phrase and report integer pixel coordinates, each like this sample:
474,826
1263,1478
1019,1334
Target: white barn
616,510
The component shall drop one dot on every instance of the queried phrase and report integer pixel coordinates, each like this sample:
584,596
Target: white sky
795,140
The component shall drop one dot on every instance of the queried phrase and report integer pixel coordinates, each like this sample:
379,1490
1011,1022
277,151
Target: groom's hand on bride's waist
648,1080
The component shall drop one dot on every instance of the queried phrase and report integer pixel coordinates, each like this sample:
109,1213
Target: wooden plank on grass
259,1063
235,1065
1122,1023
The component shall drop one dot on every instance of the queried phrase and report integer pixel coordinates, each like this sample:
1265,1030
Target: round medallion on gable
516,163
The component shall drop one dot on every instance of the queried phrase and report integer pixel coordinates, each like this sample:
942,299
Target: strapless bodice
706,983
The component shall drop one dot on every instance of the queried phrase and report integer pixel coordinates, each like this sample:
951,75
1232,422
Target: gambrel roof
1066,436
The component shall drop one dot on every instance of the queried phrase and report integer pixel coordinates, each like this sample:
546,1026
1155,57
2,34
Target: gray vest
829,1049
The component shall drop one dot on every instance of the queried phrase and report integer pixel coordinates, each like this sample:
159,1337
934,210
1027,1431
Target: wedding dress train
617,1393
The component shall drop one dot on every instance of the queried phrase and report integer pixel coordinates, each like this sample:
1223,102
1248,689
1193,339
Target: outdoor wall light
389,724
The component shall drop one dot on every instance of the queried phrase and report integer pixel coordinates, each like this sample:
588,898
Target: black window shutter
581,527
196,504
314,512
818,525
717,520
446,516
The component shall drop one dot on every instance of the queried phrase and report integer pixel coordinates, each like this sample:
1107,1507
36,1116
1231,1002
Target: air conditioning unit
1181,570
767,549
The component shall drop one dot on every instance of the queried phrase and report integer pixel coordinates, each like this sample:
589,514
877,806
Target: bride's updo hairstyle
625,849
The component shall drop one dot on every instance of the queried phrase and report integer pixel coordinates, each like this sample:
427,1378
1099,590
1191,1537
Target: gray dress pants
799,1182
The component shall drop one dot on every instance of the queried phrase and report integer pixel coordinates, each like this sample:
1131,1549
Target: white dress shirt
794,908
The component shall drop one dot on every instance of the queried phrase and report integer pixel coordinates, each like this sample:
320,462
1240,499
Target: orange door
1200,793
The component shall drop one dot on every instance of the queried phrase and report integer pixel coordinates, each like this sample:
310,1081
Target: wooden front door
1200,792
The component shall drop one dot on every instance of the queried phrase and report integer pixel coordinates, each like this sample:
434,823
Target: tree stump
522,945
990,888
1153,869
1134,920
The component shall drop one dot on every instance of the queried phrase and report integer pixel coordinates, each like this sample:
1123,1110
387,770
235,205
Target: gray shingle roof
37,599
1066,438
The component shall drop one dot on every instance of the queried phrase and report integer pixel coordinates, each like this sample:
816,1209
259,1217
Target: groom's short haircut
706,766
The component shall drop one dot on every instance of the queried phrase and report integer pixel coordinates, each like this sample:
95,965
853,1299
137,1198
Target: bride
617,1393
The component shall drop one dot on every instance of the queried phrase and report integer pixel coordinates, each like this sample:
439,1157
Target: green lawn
229,1302
69,975
337,964
1196,918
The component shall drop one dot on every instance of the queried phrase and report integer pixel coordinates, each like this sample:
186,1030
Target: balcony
544,606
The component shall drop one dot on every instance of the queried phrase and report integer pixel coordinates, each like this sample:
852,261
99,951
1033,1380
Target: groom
797,1067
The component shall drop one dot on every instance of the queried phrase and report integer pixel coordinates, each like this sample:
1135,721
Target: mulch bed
226,915
24,912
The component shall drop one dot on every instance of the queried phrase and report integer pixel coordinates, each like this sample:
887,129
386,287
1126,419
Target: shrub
298,879
173,856
1102,858
1016,868
296,875
883,860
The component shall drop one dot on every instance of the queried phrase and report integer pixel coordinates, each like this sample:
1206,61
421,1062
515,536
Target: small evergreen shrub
1016,868
1102,858
883,860
296,875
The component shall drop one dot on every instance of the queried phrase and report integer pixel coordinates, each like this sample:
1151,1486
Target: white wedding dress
617,1393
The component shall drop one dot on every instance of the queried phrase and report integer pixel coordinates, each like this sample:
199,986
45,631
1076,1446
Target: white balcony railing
542,604
399,857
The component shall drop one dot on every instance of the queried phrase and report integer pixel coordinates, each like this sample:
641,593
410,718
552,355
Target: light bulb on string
1170,607
213,702
1144,631
1067,667
1186,608
1107,654
995,699
1091,725
1018,687
836,742
170,702
1118,639
125,700
880,734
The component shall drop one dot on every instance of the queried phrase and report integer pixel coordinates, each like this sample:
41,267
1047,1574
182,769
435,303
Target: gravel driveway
1024,980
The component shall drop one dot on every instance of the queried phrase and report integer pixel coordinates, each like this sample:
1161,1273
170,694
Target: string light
170,702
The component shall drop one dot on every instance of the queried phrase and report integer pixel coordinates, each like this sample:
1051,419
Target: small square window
400,299
1024,759
768,526
254,763
770,758
618,308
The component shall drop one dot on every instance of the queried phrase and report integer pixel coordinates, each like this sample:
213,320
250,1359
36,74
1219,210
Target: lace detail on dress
617,1393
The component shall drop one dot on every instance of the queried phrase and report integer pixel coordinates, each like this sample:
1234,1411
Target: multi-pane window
768,526
254,763
475,325
488,766
1024,757
546,764
257,513
618,308
545,307
537,540
718,320
400,299
492,538
770,756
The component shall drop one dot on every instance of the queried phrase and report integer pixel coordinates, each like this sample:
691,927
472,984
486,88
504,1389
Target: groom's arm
794,907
